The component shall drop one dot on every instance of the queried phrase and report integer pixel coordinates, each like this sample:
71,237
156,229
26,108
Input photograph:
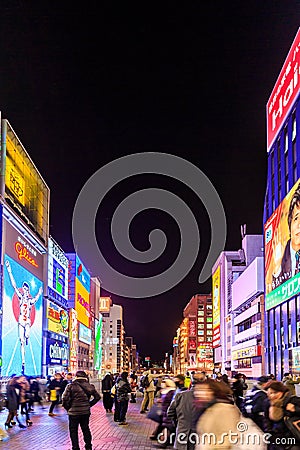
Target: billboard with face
22,320
282,250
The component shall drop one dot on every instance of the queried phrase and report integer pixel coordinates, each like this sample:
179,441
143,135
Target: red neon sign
284,92
23,253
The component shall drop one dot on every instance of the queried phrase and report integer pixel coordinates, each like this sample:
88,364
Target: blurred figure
65,381
122,393
55,389
280,404
187,380
218,419
12,403
288,381
238,388
106,386
184,411
254,402
133,385
24,388
165,428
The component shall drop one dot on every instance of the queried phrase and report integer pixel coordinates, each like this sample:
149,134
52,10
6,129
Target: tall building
113,339
24,231
227,268
281,209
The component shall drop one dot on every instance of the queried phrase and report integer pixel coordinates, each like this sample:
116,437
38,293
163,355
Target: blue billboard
22,320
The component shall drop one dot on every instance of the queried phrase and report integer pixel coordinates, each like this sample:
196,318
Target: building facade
282,283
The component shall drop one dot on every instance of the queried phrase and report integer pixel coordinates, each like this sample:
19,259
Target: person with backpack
123,390
78,398
253,405
147,383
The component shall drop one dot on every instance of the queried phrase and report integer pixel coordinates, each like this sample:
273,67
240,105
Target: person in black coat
12,403
238,387
78,398
106,385
123,390
254,403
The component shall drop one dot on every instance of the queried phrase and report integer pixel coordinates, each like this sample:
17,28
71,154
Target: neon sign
23,253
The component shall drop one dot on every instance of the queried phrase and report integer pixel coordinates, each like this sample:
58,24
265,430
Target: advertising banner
58,265
24,185
282,243
73,340
216,285
58,319
84,334
284,93
98,343
22,320
104,304
192,327
82,275
82,304
56,353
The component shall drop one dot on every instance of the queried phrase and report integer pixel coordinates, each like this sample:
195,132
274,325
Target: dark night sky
83,87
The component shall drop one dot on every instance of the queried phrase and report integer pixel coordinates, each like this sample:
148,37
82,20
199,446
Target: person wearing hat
255,400
78,398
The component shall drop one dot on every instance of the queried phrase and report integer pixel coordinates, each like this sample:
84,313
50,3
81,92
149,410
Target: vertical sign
216,282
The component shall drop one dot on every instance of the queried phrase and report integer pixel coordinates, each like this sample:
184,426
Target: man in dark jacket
254,403
77,399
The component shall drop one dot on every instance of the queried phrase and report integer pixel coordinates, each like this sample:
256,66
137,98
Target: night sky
83,85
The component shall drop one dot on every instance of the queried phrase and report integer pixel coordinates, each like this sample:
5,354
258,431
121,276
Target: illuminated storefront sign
192,327
58,267
73,339
79,289
281,244
246,352
82,304
296,359
56,353
58,319
24,186
85,334
104,304
284,93
216,285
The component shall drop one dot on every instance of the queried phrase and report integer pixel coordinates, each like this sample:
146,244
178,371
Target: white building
113,339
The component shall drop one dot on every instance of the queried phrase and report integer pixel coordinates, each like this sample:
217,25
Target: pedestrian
78,398
122,393
238,387
288,381
133,385
280,403
67,380
185,411
12,403
254,402
147,383
24,394
106,386
55,389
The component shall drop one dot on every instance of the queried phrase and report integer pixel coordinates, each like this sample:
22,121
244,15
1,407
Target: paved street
49,433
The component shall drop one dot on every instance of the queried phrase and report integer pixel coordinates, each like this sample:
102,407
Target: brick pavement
51,433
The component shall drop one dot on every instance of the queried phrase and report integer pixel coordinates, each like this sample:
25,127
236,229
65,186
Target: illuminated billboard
284,93
98,343
282,243
58,319
73,340
25,189
84,334
22,320
216,286
79,289
58,265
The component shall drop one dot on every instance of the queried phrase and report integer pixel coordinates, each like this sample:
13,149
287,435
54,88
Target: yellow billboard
216,285
82,303
26,190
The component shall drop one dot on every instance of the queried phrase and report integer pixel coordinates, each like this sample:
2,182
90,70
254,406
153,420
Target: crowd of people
186,408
